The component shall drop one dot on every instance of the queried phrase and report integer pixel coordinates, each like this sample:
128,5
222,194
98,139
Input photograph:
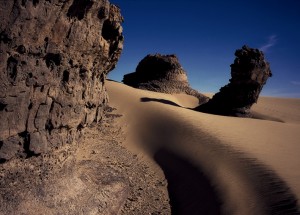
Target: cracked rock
54,58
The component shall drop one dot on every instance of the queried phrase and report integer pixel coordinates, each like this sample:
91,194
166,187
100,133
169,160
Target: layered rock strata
162,73
54,56
249,73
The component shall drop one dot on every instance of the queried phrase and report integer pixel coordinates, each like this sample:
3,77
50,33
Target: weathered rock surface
249,73
54,57
162,73
97,176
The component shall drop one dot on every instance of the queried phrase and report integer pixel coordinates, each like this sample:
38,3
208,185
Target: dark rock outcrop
54,57
249,73
162,73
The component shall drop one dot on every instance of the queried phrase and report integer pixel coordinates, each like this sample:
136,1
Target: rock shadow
164,101
253,115
189,189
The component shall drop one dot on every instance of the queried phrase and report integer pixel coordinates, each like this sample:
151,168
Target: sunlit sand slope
242,165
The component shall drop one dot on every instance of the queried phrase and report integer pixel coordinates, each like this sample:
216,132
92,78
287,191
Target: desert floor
214,164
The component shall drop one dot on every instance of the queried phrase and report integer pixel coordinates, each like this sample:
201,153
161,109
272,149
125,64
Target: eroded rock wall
54,58
249,73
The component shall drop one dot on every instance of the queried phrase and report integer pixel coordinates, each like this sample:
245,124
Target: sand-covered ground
215,164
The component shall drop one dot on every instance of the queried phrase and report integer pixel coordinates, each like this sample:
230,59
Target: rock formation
162,73
54,57
249,73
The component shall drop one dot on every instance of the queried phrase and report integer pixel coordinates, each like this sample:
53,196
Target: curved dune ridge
216,164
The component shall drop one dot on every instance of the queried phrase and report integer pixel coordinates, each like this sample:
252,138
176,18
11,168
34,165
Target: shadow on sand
189,190
255,115
163,101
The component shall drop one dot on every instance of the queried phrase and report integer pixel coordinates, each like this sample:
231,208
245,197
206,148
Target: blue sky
205,34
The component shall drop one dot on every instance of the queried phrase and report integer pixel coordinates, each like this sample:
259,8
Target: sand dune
285,109
243,166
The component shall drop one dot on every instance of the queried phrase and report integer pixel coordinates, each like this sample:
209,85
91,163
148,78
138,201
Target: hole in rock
102,13
49,126
82,73
79,8
21,49
109,32
26,137
66,76
30,106
90,105
4,37
12,69
2,160
35,2
51,59
2,107
80,127
23,2
46,42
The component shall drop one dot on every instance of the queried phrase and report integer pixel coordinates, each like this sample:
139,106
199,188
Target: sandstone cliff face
162,73
54,57
249,73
